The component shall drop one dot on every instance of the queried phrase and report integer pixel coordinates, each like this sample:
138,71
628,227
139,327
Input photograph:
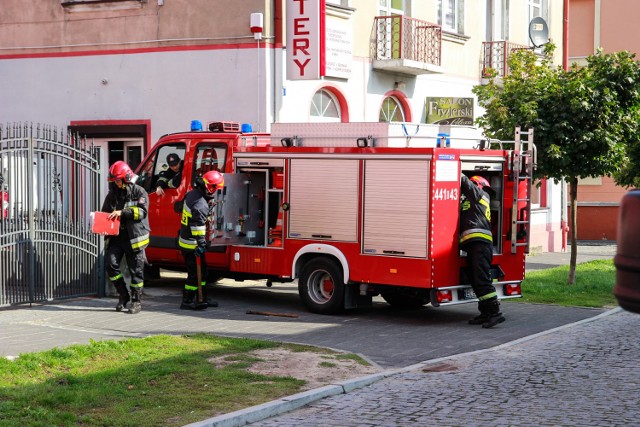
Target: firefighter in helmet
170,178
196,211
476,240
129,202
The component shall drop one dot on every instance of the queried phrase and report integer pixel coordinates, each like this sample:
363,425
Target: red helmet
213,180
120,170
480,181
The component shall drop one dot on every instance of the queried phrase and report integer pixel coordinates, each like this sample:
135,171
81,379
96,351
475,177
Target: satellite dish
538,31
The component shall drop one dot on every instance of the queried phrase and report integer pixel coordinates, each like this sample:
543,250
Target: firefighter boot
188,300
483,316
136,301
207,299
495,316
123,296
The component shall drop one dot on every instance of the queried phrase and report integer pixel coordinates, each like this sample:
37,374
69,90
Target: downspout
564,229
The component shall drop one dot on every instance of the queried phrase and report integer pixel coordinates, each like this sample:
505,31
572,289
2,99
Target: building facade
125,72
606,24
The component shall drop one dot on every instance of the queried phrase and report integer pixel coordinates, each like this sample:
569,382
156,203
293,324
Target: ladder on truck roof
523,162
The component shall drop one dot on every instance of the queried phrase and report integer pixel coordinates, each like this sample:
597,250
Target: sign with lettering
339,51
305,39
449,111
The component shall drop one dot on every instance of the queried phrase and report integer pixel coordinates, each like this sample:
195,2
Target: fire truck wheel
321,286
151,272
404,301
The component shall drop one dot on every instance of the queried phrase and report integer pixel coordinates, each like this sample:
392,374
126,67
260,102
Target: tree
586,119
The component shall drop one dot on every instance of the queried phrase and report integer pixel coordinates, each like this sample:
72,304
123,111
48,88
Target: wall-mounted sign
339,51
305,39
449,111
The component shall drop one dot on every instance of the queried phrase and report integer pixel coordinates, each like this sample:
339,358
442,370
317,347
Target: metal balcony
496,55
406,45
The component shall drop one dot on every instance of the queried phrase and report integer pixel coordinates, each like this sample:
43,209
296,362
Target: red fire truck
349,210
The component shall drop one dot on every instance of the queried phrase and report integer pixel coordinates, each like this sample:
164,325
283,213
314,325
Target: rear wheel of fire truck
321,286
409,302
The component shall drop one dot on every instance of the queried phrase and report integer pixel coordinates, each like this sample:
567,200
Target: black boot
207,299
483,316
136,301
190,301
123,296
495,316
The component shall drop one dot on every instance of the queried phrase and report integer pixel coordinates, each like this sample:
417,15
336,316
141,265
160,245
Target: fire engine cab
349,210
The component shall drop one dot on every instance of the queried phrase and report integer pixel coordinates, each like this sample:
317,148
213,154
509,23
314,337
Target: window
156,166
391,110
324,107
391,7
209,157
450,15
537,8
100,5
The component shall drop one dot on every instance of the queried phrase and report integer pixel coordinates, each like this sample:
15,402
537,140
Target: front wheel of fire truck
321,286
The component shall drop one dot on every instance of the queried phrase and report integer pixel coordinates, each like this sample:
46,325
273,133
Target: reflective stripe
140,242
114,278
137,285
136,213
198,230
190,288
203,283
476,233
187,243
130,204
488,296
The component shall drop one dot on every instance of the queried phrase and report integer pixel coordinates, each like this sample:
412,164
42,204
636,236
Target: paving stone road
587,374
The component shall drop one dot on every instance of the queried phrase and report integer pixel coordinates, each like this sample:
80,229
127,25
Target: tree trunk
573,202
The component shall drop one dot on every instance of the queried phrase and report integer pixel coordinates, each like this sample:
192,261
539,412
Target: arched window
391,110
324,107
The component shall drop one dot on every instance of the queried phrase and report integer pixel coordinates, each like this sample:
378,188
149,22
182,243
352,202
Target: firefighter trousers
117,247
479,257
192,272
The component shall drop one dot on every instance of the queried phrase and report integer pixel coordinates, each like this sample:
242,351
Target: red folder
104,226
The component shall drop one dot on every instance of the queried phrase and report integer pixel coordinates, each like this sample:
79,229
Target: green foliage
585,120
160,380
593,287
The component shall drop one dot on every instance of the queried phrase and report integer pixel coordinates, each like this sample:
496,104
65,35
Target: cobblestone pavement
587,374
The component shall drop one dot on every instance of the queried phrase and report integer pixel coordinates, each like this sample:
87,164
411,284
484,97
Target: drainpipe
564,229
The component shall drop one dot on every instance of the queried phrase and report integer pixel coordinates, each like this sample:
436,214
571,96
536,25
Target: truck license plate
469,294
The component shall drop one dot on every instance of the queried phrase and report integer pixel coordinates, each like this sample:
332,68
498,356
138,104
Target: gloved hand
200,250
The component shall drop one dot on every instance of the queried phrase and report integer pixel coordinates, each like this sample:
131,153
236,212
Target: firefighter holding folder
193,242
129,203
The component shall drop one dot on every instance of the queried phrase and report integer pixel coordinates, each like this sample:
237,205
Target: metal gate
49,184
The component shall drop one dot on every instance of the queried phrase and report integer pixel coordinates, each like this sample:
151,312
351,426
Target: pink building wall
613,26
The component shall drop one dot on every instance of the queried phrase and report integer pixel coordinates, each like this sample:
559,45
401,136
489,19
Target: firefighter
197,206
170,178
476,240
129,202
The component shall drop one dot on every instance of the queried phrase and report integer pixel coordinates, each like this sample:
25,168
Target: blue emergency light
196,125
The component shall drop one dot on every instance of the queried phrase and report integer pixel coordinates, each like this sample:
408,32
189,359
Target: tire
151,272
321,286
407,302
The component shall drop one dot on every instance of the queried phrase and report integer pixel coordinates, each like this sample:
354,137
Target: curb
296,401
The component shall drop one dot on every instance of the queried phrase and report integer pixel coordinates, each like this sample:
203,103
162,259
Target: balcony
406,45
496,55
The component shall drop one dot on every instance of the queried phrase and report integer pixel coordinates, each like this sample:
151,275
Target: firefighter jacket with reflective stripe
193,229
170,179
133,201
475,213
